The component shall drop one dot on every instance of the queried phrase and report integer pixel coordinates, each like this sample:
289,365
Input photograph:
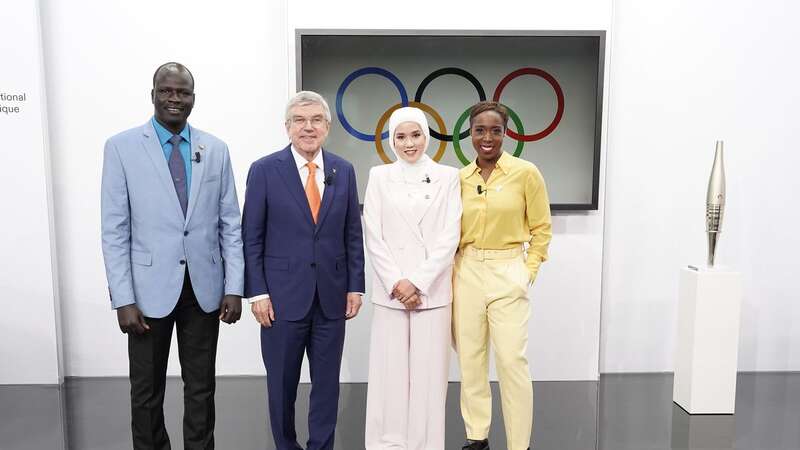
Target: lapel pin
197,155
329,178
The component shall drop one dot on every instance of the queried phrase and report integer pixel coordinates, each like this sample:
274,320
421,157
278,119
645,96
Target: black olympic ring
449,71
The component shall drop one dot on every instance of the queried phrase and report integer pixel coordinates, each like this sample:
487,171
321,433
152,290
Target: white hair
304,98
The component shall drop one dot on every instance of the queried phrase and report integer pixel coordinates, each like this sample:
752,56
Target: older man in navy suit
173,255
304,271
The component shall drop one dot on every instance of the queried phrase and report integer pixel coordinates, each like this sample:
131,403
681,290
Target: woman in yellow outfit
505,207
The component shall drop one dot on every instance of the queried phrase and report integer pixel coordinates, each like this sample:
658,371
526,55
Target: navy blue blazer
289,257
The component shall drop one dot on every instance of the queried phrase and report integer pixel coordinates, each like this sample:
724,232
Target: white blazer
418,244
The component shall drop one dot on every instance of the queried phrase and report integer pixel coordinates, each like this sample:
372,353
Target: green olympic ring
463,118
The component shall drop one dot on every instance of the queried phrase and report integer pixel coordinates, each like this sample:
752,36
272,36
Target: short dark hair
484,106
172,66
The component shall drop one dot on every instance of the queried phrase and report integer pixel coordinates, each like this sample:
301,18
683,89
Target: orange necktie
312,191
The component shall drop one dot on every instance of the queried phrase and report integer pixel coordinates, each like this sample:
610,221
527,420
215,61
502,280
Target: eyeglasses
300,121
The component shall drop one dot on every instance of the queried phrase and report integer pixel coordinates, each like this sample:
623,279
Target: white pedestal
706,353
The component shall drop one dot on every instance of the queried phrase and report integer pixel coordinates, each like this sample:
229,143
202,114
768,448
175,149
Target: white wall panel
99,72
100,58
565,316
29,332
683,75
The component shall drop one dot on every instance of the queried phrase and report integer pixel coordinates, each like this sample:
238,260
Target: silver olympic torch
715,203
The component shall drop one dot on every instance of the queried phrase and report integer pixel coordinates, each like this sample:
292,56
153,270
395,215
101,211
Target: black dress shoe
476,445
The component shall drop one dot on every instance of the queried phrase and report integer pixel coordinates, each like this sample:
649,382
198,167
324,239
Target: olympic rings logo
457,135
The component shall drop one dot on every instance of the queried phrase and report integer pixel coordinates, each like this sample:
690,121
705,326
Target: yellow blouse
512,208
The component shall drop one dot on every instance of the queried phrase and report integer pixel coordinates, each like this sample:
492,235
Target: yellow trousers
490,303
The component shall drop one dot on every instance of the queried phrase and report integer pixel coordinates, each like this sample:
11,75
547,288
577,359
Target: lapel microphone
427,179
328,181
480,189
196,157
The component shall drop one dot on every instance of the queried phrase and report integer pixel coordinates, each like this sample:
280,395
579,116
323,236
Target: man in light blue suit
173,255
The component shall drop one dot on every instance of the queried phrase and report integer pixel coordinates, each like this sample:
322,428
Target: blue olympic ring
349,79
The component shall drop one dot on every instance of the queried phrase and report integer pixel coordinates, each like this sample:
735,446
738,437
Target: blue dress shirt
185,148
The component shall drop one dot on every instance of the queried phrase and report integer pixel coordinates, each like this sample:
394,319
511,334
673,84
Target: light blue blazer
147,243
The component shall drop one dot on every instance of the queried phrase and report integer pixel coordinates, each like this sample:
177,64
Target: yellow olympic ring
385,117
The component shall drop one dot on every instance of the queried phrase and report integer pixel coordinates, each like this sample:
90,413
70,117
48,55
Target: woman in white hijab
412,216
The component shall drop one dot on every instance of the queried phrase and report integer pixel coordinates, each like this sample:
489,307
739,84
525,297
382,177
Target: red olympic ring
559,95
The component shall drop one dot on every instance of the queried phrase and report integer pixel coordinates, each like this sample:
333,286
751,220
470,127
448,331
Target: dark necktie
178,171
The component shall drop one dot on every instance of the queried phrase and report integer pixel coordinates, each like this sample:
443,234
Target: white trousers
408,366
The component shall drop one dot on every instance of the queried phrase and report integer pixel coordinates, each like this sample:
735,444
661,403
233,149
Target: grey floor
620,412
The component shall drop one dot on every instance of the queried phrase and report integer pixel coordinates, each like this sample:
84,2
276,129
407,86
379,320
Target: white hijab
416,172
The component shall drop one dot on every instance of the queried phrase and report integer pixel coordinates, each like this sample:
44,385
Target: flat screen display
551,83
